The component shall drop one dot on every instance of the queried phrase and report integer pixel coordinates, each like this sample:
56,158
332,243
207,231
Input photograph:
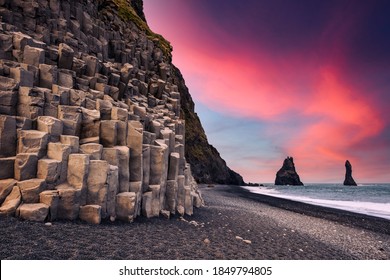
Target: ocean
369,199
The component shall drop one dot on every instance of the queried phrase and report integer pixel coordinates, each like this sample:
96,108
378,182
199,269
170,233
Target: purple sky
270,79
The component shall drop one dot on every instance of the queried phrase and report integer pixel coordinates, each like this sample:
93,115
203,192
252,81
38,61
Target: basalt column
91,125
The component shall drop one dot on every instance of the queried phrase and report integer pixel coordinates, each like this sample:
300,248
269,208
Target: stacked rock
90,122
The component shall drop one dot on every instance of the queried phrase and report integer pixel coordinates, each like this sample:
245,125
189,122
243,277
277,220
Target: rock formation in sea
94,118
287,175
349,181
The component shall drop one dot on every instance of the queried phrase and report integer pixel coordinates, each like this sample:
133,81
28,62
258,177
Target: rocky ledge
90,115
287,175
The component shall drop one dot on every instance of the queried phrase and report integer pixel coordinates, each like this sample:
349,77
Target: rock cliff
349,181
93,115
287,175
206,162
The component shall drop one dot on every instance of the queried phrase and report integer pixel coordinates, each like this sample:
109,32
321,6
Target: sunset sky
270,79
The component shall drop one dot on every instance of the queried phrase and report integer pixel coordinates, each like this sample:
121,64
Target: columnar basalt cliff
94,118
349,181
287,175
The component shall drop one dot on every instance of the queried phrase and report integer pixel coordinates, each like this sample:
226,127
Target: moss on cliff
127,13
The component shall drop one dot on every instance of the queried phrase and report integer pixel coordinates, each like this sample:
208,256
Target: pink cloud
312,106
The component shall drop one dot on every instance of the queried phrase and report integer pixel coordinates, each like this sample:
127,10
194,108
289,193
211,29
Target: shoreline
345,217
215,232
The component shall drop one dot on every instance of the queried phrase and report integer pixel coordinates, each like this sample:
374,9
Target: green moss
127,13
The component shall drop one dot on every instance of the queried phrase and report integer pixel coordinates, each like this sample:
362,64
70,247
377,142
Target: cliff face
208,166
138,7
91,125
93,116
206,162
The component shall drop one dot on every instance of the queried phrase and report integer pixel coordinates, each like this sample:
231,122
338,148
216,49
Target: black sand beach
216,231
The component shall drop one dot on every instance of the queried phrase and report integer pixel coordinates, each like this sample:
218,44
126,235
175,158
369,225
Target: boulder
91,214
90,127
31,102
148,138
49,170
93,150
66,79
33,56
25,166
125,206
71,118
90,115
59,151
51,199
72,141
20,40
33,142
287,175
50,125
111,155
77,98
22,76
180,209
197,198
48,75
36,212
166,214
349,181
108,133
119,114
136,187
6,187
69,202
66,54
91,64
23,123
8,84
63,93
11,203
8,101
30,189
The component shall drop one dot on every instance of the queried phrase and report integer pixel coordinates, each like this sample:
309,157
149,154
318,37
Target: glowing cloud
317,94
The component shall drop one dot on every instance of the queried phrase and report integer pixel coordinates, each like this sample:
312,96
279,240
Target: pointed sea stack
287,175
349,181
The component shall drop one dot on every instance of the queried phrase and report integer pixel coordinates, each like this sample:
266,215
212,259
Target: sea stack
287,175
349,181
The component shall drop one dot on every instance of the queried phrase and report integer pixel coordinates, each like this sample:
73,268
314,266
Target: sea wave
363,207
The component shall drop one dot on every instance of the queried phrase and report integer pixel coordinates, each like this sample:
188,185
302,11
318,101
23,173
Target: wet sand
216,231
